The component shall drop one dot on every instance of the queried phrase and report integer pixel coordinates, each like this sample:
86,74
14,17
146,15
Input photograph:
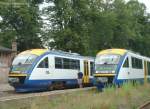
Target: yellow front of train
107,64
21,66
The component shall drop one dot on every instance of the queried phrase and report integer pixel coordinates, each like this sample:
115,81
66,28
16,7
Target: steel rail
49,93
146,105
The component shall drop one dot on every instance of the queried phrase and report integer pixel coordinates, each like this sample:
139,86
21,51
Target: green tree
83,26
69,20
20,23
87,26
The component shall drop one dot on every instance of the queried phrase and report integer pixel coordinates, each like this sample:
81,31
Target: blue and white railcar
120,65
41,69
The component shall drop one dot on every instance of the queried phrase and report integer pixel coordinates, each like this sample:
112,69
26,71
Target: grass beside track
126,97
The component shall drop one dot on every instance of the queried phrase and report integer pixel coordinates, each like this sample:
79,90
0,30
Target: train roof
121,52
39,52
113,51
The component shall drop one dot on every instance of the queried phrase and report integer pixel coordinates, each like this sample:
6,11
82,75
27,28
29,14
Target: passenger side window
148,66
126,63
65,63
74,64
58,63
137,63
92,68
44,63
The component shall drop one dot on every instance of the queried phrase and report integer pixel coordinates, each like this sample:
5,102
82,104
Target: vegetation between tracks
126,97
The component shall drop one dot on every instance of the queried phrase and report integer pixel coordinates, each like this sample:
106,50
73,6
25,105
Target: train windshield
107,63
23,62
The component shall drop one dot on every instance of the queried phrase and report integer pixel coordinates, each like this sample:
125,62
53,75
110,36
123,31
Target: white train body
120,65
49,68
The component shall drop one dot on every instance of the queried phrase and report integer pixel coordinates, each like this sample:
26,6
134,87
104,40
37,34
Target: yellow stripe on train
17,75
103,74
37,52
113,51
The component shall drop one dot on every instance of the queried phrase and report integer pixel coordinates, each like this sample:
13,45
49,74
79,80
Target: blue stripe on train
139,80
116,80
35,85
41,85
121,81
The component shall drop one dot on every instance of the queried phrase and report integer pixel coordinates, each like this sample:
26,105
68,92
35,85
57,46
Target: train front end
21,69
107,65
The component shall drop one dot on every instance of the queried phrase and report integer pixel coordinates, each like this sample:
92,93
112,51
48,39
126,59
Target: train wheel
51,87
63,85
60,85
56,85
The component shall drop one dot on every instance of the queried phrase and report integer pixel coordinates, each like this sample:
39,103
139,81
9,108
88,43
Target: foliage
87,26
83,26
127,97
20,23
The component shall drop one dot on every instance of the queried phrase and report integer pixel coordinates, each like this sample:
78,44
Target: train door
86,72
145,71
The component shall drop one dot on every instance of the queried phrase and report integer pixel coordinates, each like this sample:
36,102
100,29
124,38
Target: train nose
13,80
16,78
104,77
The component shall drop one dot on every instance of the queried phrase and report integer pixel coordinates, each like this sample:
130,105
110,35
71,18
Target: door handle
47,72
128,73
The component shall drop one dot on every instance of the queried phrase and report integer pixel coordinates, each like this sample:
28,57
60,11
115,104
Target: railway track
11,95
145,105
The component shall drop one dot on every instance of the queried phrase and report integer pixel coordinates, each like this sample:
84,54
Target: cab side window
126,63
43,63
92,68
137,63
148,66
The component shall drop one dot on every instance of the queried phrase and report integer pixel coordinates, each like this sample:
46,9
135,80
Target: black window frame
58,63
44,63
137,63
92,68
148,67
126,63
67,63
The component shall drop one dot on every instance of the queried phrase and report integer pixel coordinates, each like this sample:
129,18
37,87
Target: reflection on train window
92,68
58,62
65,63
126,63
74,64
148,66
44,63
137,63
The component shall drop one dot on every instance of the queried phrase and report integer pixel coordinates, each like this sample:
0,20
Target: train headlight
13,80
113,71
102,79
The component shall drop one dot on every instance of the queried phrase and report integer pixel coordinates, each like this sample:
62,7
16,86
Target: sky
146,2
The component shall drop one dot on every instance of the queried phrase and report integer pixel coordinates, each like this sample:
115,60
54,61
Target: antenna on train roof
64,52
69,51
77,54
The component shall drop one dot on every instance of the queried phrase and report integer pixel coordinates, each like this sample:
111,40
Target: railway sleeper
56,85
